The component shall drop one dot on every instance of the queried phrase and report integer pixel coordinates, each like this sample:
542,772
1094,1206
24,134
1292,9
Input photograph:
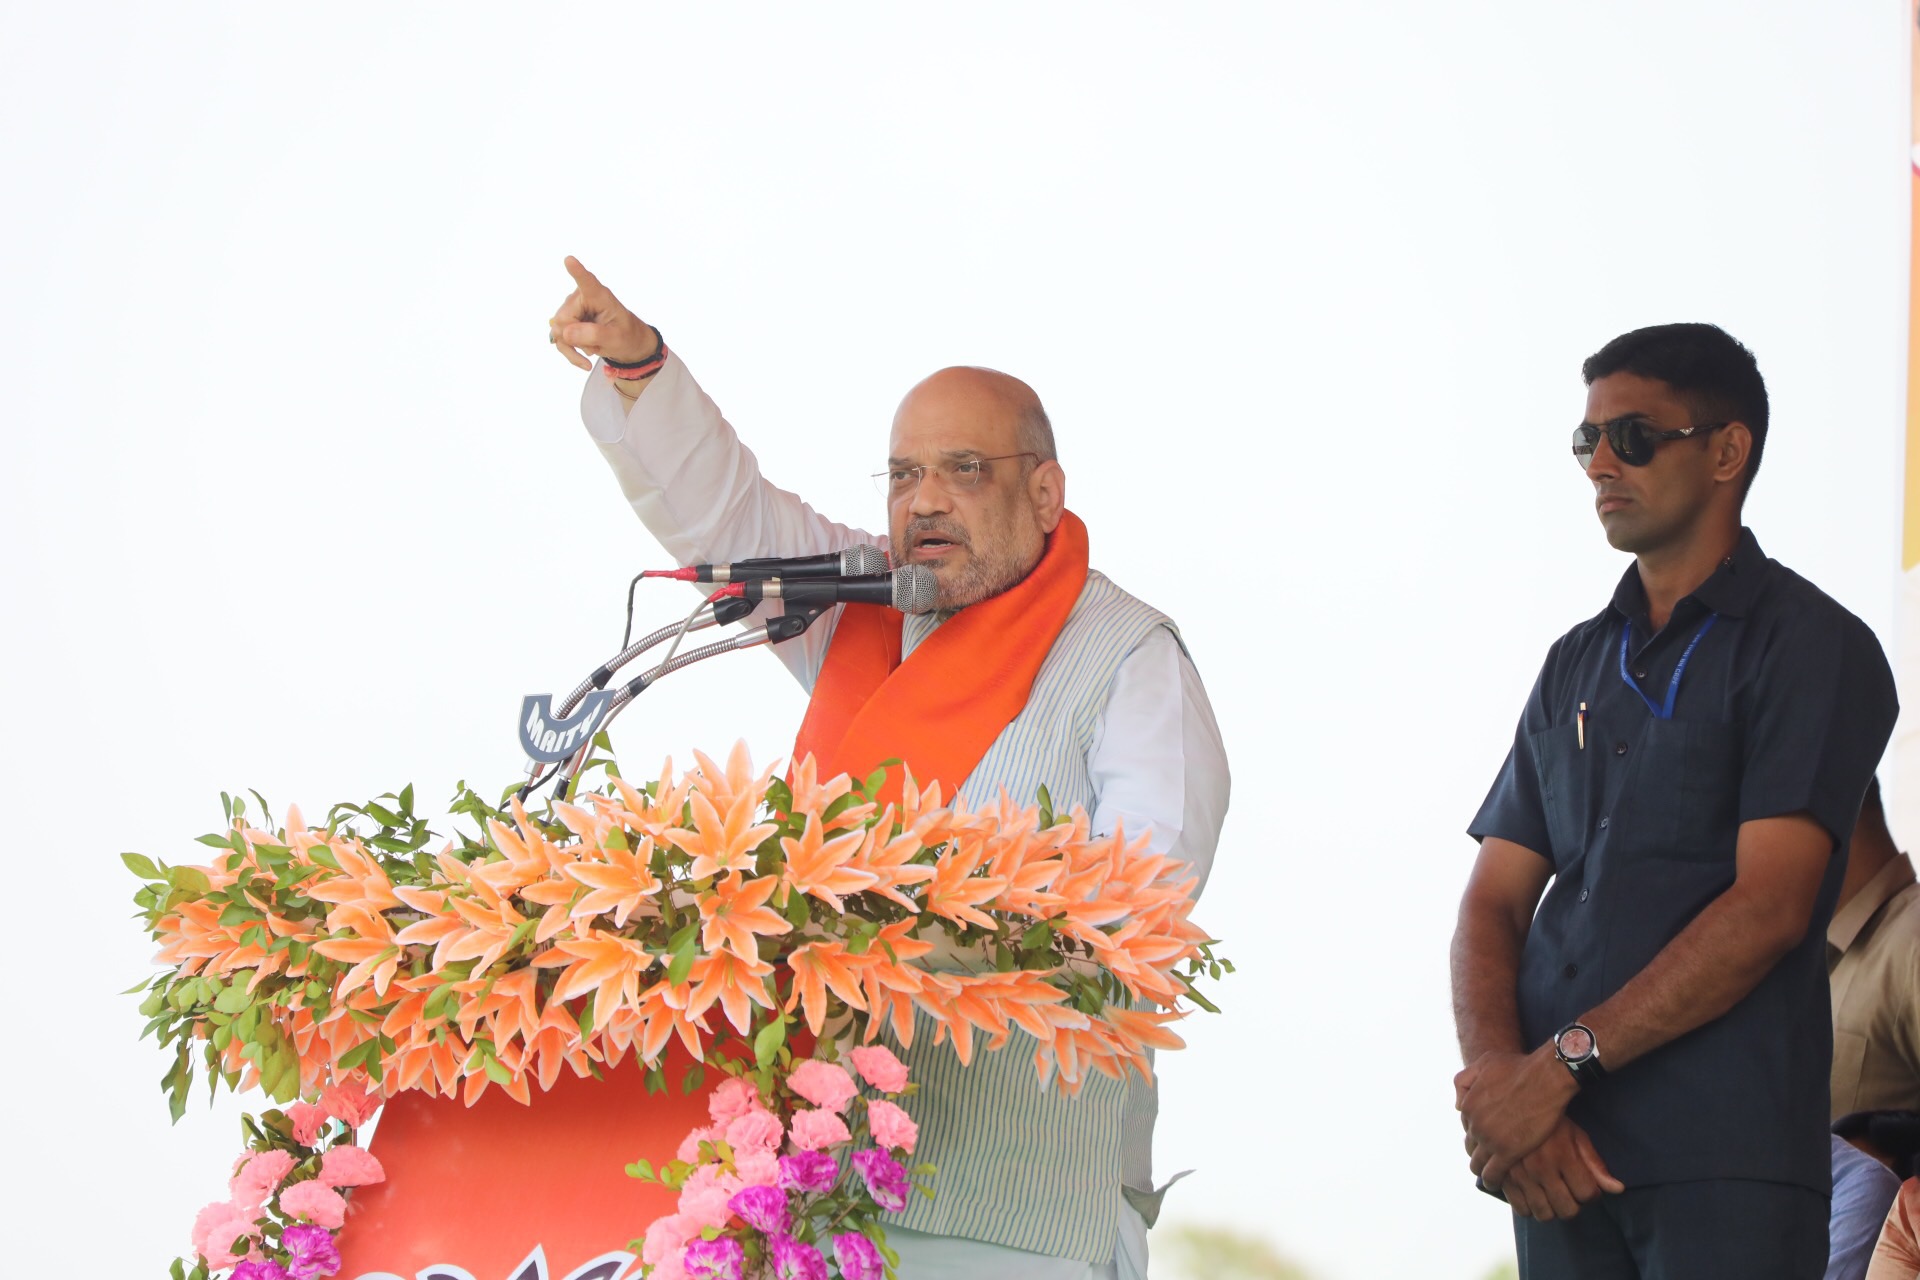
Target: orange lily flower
733,980
819,867
734,915
721,845
610,967
623,884
812,798
734,784
955,891
818,967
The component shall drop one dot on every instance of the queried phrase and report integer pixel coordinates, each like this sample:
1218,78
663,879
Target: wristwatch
1575,1046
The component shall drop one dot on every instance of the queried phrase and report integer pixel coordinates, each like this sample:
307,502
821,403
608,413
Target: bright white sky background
295,496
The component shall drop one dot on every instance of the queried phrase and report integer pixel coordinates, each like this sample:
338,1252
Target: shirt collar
1731,590
1851,918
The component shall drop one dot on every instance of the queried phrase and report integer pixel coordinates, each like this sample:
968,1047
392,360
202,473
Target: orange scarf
941,709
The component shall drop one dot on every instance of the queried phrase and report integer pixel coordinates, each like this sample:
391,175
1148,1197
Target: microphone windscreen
915,589
863,561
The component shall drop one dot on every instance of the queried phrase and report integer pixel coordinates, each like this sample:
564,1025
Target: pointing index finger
581,276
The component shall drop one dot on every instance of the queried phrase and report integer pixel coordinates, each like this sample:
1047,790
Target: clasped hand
1519,1139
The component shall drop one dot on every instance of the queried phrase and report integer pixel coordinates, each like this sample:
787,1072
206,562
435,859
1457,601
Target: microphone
911,589
855,562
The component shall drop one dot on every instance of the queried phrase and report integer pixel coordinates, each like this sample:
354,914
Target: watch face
1575,1043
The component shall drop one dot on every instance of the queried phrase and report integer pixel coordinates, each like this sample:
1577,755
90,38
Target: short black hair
1705,365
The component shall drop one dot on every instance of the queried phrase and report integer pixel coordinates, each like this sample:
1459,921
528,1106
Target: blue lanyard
1680,668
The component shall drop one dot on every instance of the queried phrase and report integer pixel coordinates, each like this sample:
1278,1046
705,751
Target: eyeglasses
955,477
1633,440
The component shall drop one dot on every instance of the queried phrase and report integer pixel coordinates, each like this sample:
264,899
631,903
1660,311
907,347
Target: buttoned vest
1021,1165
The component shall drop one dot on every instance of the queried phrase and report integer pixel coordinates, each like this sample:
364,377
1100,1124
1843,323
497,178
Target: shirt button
1603,824
1583,894
1571,970
1619,748
1641,674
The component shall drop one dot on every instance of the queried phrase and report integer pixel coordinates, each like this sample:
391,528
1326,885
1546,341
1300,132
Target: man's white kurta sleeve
699,490
1157,761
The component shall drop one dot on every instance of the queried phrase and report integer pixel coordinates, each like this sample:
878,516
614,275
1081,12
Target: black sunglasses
1633,440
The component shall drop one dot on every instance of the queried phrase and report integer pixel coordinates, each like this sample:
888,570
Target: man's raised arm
684,471
693,484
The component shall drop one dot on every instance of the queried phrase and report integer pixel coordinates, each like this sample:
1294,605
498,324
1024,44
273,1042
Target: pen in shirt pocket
1580,726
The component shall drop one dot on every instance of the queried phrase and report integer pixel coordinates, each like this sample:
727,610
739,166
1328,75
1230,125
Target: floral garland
303,959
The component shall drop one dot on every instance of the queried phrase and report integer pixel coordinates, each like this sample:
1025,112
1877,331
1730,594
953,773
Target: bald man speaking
1034,670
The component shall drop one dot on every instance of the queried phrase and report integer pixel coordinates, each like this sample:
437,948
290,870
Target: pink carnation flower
314,1201
255,1180
879,1068
690,1145
757,1168
667,1236
350,1166
757,1129
813,1130
216,1228
310,1120
352,1103
824,1084
735,1097
705,1206
892,1127
669,1268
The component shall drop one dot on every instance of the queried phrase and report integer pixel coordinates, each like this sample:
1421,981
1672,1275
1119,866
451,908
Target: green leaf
696,1076
497,1071
798,910
683,955
234,999
142,866
640,1169
768,1042
324,856
191,879
875,780
216,842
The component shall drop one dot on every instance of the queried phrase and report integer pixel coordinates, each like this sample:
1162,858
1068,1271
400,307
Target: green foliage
1191,1251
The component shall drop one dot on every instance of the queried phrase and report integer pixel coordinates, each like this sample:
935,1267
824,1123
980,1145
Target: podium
471,1192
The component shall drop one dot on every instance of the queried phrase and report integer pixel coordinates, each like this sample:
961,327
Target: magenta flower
795,1260
762,1208
721,1259
858,1258
813,1171
886,1180
262,1270
310,1252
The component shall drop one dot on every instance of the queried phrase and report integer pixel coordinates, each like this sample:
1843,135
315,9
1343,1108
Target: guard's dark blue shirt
1784,707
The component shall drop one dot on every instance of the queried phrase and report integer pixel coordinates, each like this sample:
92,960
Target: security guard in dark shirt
1647,1053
